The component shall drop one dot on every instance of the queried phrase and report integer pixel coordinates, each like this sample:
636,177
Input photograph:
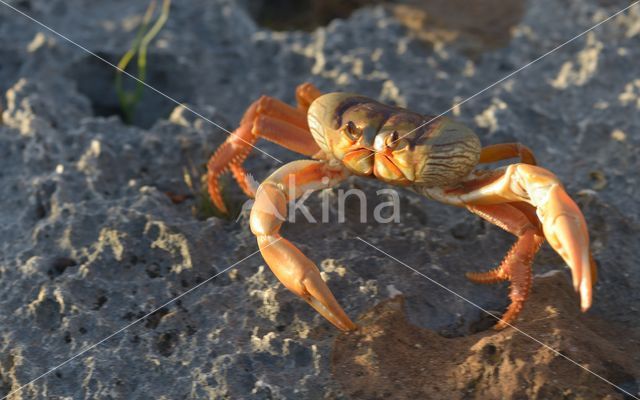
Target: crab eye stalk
392,140
395,141
352,131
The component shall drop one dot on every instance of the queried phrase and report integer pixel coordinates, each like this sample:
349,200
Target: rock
388,357
100,221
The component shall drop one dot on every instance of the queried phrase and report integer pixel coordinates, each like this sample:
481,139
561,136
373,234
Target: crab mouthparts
368,162
359,161
385,169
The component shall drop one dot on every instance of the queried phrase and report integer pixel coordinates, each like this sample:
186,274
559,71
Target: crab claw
302,277
566,230
563,224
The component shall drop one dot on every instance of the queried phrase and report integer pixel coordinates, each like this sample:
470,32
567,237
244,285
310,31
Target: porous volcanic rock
90,239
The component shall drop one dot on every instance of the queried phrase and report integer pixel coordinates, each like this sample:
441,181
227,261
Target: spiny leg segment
516,266
518,219
267,118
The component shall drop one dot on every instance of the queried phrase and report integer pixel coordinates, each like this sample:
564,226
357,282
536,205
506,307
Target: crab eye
396,141
352,131
392,140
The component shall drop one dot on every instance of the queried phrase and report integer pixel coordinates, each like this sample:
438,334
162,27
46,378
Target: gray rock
89,240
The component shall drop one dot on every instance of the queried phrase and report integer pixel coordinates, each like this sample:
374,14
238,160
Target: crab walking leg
513,221
285,134
231,153
503,151
562,221
291,267
267,118
306,93
516,266
278,131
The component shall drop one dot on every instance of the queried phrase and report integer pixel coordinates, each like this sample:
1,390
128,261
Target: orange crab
347,134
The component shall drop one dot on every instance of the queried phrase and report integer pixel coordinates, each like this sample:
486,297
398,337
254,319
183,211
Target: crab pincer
291,267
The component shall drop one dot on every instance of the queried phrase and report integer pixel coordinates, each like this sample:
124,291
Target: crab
347,134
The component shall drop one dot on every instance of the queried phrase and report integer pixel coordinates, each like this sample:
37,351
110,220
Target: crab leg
562,221
516,266
503,151
291,267
306,93
230,155
267,118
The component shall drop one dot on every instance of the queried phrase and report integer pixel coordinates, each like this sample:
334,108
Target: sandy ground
388,357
